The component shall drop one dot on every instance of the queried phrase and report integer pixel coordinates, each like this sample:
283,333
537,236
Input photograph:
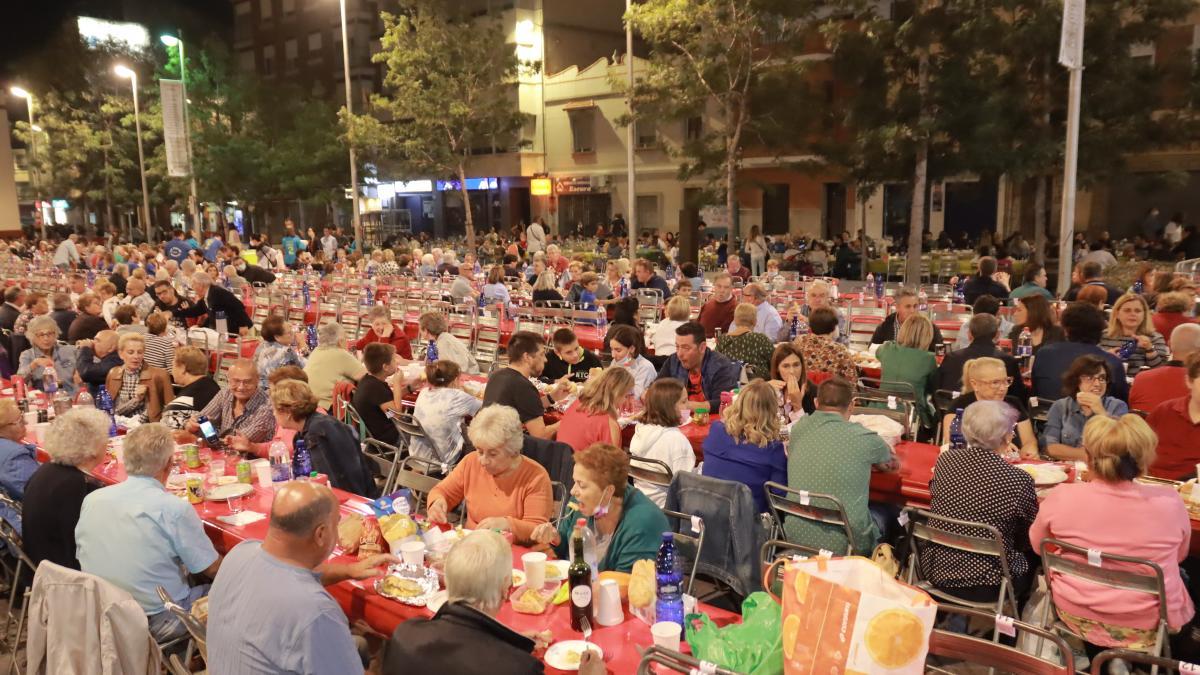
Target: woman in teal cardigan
627,524
909,360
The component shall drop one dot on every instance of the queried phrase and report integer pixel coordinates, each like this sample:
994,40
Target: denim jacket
64,357
733,533
1064,422
717,374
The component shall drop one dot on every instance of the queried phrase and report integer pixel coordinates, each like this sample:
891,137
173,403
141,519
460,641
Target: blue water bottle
669,573
957,440
104,402
301,460
879,281
307,295
431,352
1139,287
310,336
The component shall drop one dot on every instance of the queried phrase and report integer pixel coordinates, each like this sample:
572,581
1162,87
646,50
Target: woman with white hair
976,484
45,355
427,268
331,362
478,581
384,330
77,443
504,489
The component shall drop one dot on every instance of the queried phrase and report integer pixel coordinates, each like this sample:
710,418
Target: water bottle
281,462
795,329
960,294
922,301
431,352
870,283
669,573
84,400
589,545
879,281
1139,287
1127,350
222,324
307,294
1025,346
369,297
833,290
301,460
105,403
957,440
62,402
310,336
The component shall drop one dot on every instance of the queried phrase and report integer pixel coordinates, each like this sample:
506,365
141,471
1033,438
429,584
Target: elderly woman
1130,322
627,524
195,387
330,363
77,443
817,296
139,391
277,349
908,359
384,330
1084,385
241,411
1175,420
333,446
45,355
823,352
661,336
545,290
625,343
89,321
504,489
1009,503
1114,514
593,417
478,573
745,446
986,379
743,344
789,378
18,459
434,329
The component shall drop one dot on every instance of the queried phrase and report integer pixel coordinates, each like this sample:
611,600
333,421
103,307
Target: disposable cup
413,552
262,468
535,569
666,634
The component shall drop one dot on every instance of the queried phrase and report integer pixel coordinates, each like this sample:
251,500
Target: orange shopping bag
845,615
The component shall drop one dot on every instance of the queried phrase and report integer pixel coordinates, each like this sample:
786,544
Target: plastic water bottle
301,460
222,324
307,294
1025,346
669,573
795,329
62,402
431,352
833,290
1127,350
281,462
1139,287
922,301
879,281
589,545
310,336
957,440
870,282
84,400
105,403
960,292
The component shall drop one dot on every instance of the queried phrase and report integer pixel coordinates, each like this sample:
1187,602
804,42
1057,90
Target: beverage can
243,472
194,487
191,456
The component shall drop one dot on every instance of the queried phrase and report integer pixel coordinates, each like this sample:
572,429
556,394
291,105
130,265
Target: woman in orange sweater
504,489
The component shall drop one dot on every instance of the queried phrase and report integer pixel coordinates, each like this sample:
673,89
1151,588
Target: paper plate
1044,475
565,655
223,492
556,570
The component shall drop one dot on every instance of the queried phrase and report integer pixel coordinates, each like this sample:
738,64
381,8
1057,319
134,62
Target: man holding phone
241,413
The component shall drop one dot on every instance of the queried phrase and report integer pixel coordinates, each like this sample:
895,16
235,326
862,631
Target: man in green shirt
829,454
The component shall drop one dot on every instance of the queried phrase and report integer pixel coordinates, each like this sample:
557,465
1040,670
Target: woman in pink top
593,418
1113,514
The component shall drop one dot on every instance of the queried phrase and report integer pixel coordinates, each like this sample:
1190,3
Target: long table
622,644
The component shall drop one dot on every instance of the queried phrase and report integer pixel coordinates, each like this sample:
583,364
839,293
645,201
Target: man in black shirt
568,359
373,397
906,306
987,282
511,386
644,277
211,300
1089,274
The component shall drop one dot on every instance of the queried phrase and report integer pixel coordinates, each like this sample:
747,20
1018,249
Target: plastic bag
753,646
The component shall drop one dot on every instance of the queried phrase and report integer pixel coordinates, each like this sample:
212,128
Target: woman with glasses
1084,385
45,355
18,459
985,379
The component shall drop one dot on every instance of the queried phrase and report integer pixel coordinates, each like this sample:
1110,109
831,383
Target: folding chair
951,653
652,471
774,549
689,541
386,459
659,660
420,484
1137,659
197,632
824,510
561,495
354,420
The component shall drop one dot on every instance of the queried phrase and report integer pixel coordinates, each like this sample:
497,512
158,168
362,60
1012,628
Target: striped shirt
257,421
160,351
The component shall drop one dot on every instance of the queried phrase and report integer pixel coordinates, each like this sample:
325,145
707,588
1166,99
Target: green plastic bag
753,647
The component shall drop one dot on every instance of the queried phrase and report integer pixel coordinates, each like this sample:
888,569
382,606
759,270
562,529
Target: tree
734,58
451,80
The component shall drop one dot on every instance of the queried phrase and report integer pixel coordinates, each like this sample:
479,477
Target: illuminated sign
472,184
99,31
567,185
403,186
541,187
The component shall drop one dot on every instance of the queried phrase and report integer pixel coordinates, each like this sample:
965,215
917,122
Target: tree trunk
730,199
468,217
1039,221
916,225
109,218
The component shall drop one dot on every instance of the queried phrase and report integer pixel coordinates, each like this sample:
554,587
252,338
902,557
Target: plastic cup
236,504
262,468
413,552
216,469
608,607
535,569
666,634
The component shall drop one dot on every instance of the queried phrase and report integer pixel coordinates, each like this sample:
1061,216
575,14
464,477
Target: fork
586,626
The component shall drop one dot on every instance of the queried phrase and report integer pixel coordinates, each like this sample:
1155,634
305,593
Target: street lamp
125,72
34,129
177,41
358,233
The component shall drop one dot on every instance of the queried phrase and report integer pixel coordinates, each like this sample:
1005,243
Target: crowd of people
1112,382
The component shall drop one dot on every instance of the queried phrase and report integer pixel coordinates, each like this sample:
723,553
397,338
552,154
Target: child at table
589,283
657,434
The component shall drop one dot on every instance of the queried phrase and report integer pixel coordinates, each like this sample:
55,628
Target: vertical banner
1070,50
174,129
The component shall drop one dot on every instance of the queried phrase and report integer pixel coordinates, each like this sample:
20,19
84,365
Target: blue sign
490,183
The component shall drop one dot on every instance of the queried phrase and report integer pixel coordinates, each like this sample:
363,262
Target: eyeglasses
1094,379
1002,382
45,333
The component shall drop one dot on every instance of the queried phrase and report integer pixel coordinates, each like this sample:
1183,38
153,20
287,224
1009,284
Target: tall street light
21,92
358,232
125,72
177,41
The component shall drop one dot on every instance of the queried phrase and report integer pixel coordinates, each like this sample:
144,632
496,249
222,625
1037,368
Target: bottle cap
582,522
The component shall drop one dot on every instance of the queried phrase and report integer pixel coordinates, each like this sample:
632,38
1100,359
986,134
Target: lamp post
21,92
630,141
125,72
358,233
177,41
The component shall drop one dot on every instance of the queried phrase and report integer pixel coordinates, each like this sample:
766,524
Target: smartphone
208,430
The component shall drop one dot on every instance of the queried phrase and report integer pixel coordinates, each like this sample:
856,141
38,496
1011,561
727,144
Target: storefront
583,203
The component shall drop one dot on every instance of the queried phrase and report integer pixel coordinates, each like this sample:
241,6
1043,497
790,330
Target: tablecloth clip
891,402
697,524
825,553
1093,557
902,518
1185,667
1004,626
706,668
804,498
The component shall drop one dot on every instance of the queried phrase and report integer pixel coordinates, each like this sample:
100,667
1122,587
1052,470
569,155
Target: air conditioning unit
601,182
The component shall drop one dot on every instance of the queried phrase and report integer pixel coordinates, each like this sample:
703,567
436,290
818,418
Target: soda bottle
301,460
49,382
669,573
61,402
579,577
957,440
281,462
589,545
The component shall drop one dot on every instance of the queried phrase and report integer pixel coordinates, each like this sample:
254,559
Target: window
583,129
289,7
314,42
268,62
1143,53
693,128
645,134
246,61
264,9
648,215
290,51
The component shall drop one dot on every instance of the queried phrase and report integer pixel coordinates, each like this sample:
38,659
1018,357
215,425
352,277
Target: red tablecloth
621,643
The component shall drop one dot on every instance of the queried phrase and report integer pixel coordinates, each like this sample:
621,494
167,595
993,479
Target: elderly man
45,355
703,372
96,358
717,313
139,536
644,277
213,300
433,327
478,579
67,254
735,268
241,411
769,322
331,362
1153,386
269,611
906,306
816,296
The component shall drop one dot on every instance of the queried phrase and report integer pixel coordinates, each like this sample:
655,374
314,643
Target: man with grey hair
906,306
816,296
478,580
136,534
269,611
136,295
1153,386
331,362
984,329
216,303
240,411
768,322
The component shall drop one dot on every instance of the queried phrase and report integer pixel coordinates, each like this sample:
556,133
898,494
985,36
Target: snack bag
371,540
846,615
349,532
